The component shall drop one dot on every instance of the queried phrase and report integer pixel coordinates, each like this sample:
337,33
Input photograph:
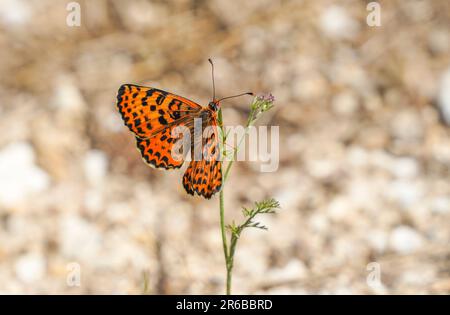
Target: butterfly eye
213,106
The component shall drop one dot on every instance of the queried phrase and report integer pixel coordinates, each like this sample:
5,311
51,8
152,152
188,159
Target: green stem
229,276
222,226
222,215
230,264
229,255
230,163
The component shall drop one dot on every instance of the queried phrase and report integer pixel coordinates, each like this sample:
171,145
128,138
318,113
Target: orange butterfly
152,115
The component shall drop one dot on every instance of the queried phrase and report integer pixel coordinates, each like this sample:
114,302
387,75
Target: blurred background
363,180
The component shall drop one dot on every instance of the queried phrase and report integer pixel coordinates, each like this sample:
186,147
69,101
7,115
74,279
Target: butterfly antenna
247,93
212,75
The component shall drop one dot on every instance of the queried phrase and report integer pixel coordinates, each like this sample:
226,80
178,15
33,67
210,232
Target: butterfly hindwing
204,177
158,150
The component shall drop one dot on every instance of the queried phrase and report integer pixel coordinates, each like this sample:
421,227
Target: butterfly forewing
147,111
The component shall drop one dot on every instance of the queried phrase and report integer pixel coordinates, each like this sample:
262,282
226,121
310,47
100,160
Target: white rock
79,238
363,193
93,201
19,176
405,192
444,96
287,197
408,126
345,103
340,208
95,166
440,205
30,267
405,240
144,15
378,240
319,223
426,276
322,168
113,122
284,291
121,252
15,12
337,24
294,269
439,41
405,167
357,156
67,95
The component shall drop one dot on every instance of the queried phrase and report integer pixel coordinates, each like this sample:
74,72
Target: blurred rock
79,238
340,209
405,240
293,270
439,41
405,192
336,23
378,239
67,95
95,166
345,103
444,96
30,268
19,175
441,205
407,126
15,12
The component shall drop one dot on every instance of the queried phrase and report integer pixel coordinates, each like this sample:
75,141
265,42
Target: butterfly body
153,114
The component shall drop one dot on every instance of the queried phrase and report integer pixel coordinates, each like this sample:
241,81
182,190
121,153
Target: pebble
378,240
405,240
405,192
345,103
30,267
95,166
67,95
340,208
337,24
79,238
439,41
15,12
407,126
294,269
440,205
19,175
444,96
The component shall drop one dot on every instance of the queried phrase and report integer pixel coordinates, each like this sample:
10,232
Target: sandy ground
364,148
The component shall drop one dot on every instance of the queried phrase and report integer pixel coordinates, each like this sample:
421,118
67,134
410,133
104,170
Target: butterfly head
214,106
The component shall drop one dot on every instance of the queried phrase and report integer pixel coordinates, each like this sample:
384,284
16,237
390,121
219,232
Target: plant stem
229,275
224,236
230,163
229,255
222,213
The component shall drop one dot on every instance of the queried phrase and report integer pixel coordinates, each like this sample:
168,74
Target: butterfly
153,115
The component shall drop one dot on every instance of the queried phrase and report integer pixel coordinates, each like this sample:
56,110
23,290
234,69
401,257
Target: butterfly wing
151,114
204,177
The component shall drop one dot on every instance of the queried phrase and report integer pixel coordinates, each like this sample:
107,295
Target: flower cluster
261,103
